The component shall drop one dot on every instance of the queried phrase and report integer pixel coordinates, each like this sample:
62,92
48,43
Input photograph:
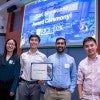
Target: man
89,72
64,74
30,89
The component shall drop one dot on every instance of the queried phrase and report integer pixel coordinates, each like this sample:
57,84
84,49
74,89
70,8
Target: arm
73,74
16,77
80,89
80,80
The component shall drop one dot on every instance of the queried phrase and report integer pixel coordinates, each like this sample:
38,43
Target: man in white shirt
30,89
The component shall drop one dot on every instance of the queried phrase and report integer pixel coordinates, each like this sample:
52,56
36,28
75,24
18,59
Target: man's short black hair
34,35
89,39
62,39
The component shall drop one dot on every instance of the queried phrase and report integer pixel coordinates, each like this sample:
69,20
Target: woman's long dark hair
5,49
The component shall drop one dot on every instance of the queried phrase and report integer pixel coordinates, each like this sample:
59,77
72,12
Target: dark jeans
5,90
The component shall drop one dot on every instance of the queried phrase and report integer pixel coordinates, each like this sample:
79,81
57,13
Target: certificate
41,71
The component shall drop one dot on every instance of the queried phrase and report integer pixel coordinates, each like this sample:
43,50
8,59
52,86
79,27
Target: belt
56,88
29,82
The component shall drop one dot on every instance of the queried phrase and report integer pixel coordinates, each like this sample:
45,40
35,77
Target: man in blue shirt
64,74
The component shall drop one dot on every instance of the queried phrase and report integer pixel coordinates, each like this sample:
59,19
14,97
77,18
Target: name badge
11,62
67,65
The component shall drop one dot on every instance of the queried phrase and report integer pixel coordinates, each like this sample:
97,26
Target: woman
9,70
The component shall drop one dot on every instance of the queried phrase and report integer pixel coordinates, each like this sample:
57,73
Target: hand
40,82
69,90
12,94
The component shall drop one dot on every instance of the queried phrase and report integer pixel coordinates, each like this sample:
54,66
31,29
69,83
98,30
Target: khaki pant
52,94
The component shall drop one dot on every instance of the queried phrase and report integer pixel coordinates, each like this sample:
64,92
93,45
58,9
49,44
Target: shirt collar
58,54
29,52
97,56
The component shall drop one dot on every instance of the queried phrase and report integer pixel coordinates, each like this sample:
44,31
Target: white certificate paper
41,71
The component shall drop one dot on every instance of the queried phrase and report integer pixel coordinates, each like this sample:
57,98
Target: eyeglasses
11,44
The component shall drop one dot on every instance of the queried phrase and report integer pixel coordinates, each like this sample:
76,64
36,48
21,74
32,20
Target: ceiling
7,3
4,4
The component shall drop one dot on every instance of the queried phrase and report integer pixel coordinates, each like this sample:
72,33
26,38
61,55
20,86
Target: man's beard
60,51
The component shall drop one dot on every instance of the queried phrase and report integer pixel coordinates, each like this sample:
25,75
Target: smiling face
60,45
91,48
34,43
10,46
